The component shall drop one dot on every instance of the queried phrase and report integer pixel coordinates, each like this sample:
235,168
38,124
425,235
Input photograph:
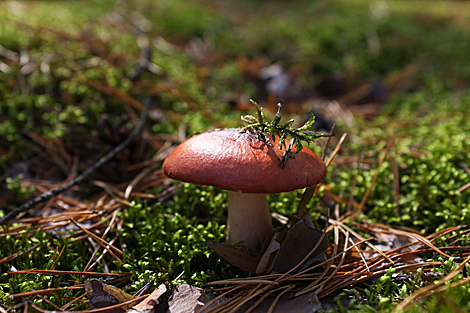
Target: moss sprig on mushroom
259,127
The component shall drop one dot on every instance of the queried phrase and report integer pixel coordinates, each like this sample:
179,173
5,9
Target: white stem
249,218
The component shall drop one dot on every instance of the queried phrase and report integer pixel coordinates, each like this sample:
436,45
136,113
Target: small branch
57,272
99,310
48,195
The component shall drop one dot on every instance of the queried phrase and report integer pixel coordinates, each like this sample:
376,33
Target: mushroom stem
249,218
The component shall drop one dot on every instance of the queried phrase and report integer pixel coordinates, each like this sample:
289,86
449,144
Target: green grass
417,50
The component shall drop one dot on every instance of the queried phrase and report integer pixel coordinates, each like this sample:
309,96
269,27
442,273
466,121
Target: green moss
171,245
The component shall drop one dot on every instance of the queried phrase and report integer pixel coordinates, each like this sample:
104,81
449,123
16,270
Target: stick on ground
48,195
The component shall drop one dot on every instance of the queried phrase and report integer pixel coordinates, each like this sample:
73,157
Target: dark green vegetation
259,127
71,88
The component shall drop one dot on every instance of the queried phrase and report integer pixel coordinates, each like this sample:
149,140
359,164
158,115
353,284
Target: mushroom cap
230,160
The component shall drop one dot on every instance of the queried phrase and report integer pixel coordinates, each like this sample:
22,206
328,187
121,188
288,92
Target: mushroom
248,168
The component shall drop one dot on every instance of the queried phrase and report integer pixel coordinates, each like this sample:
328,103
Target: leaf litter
281,282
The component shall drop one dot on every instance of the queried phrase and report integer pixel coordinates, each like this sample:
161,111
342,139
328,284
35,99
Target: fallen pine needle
429,290
56,272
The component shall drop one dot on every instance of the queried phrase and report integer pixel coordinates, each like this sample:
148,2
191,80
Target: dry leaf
185,299
301,238
265,265
238,255
103,295
266,261
148,305
285,250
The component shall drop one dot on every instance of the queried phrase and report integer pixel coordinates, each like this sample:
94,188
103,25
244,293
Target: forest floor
390,78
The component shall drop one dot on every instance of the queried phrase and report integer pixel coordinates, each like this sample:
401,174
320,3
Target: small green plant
171,246
259,127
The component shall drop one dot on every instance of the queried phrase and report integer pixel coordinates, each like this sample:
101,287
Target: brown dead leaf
186,299
103,295
238,255
300,239
150,303
286,249
266,261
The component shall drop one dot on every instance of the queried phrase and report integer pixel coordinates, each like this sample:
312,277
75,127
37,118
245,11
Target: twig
100,310
337,148
75,300
460,190
296,276
56,272
312,285
244,282
306,196
56,260
261,299
396,179
276,300
201,309
342,225
103,243
48,195
332,275
309,192
50,303
328,141
374,179
354,182
111,225
44,291
14,256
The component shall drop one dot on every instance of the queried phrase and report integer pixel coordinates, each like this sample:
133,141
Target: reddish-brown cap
230,160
